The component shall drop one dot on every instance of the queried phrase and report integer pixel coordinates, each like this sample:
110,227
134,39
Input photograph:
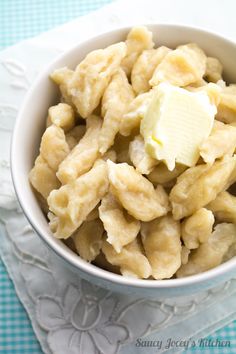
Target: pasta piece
185,252
231,89
221,142
53,221
224,207
226,111
84,154
197,228
144,67
230,253
135,113
181,67
74,135
53,147
199,185
115,102
210,254
131,259
162,245
43,178
92,76
61,115
121,228
162,175
138,39
214,69
136,194
88,239
213,91
71,204
143,162
61,77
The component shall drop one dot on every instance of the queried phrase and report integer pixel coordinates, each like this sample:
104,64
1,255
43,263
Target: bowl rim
69,256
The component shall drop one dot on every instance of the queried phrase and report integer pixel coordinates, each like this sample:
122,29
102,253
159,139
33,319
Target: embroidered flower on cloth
82,321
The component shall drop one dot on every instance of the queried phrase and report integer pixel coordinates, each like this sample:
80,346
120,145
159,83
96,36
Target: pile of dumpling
114,204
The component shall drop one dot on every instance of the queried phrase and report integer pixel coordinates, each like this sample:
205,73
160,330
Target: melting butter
176,123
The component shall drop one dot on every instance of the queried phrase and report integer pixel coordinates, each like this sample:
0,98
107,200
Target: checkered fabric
21,19
227,333
222,341
16,333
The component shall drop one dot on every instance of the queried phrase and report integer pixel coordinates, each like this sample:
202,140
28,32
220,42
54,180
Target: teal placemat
21,19
16,333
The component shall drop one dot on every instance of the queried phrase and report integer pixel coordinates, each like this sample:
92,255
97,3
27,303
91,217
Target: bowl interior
31,124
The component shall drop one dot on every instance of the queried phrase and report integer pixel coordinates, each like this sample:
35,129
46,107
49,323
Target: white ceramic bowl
25,143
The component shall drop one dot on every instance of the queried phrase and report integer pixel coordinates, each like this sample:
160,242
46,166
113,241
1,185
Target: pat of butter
176,124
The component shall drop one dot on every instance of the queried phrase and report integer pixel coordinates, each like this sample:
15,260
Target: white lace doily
68,314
